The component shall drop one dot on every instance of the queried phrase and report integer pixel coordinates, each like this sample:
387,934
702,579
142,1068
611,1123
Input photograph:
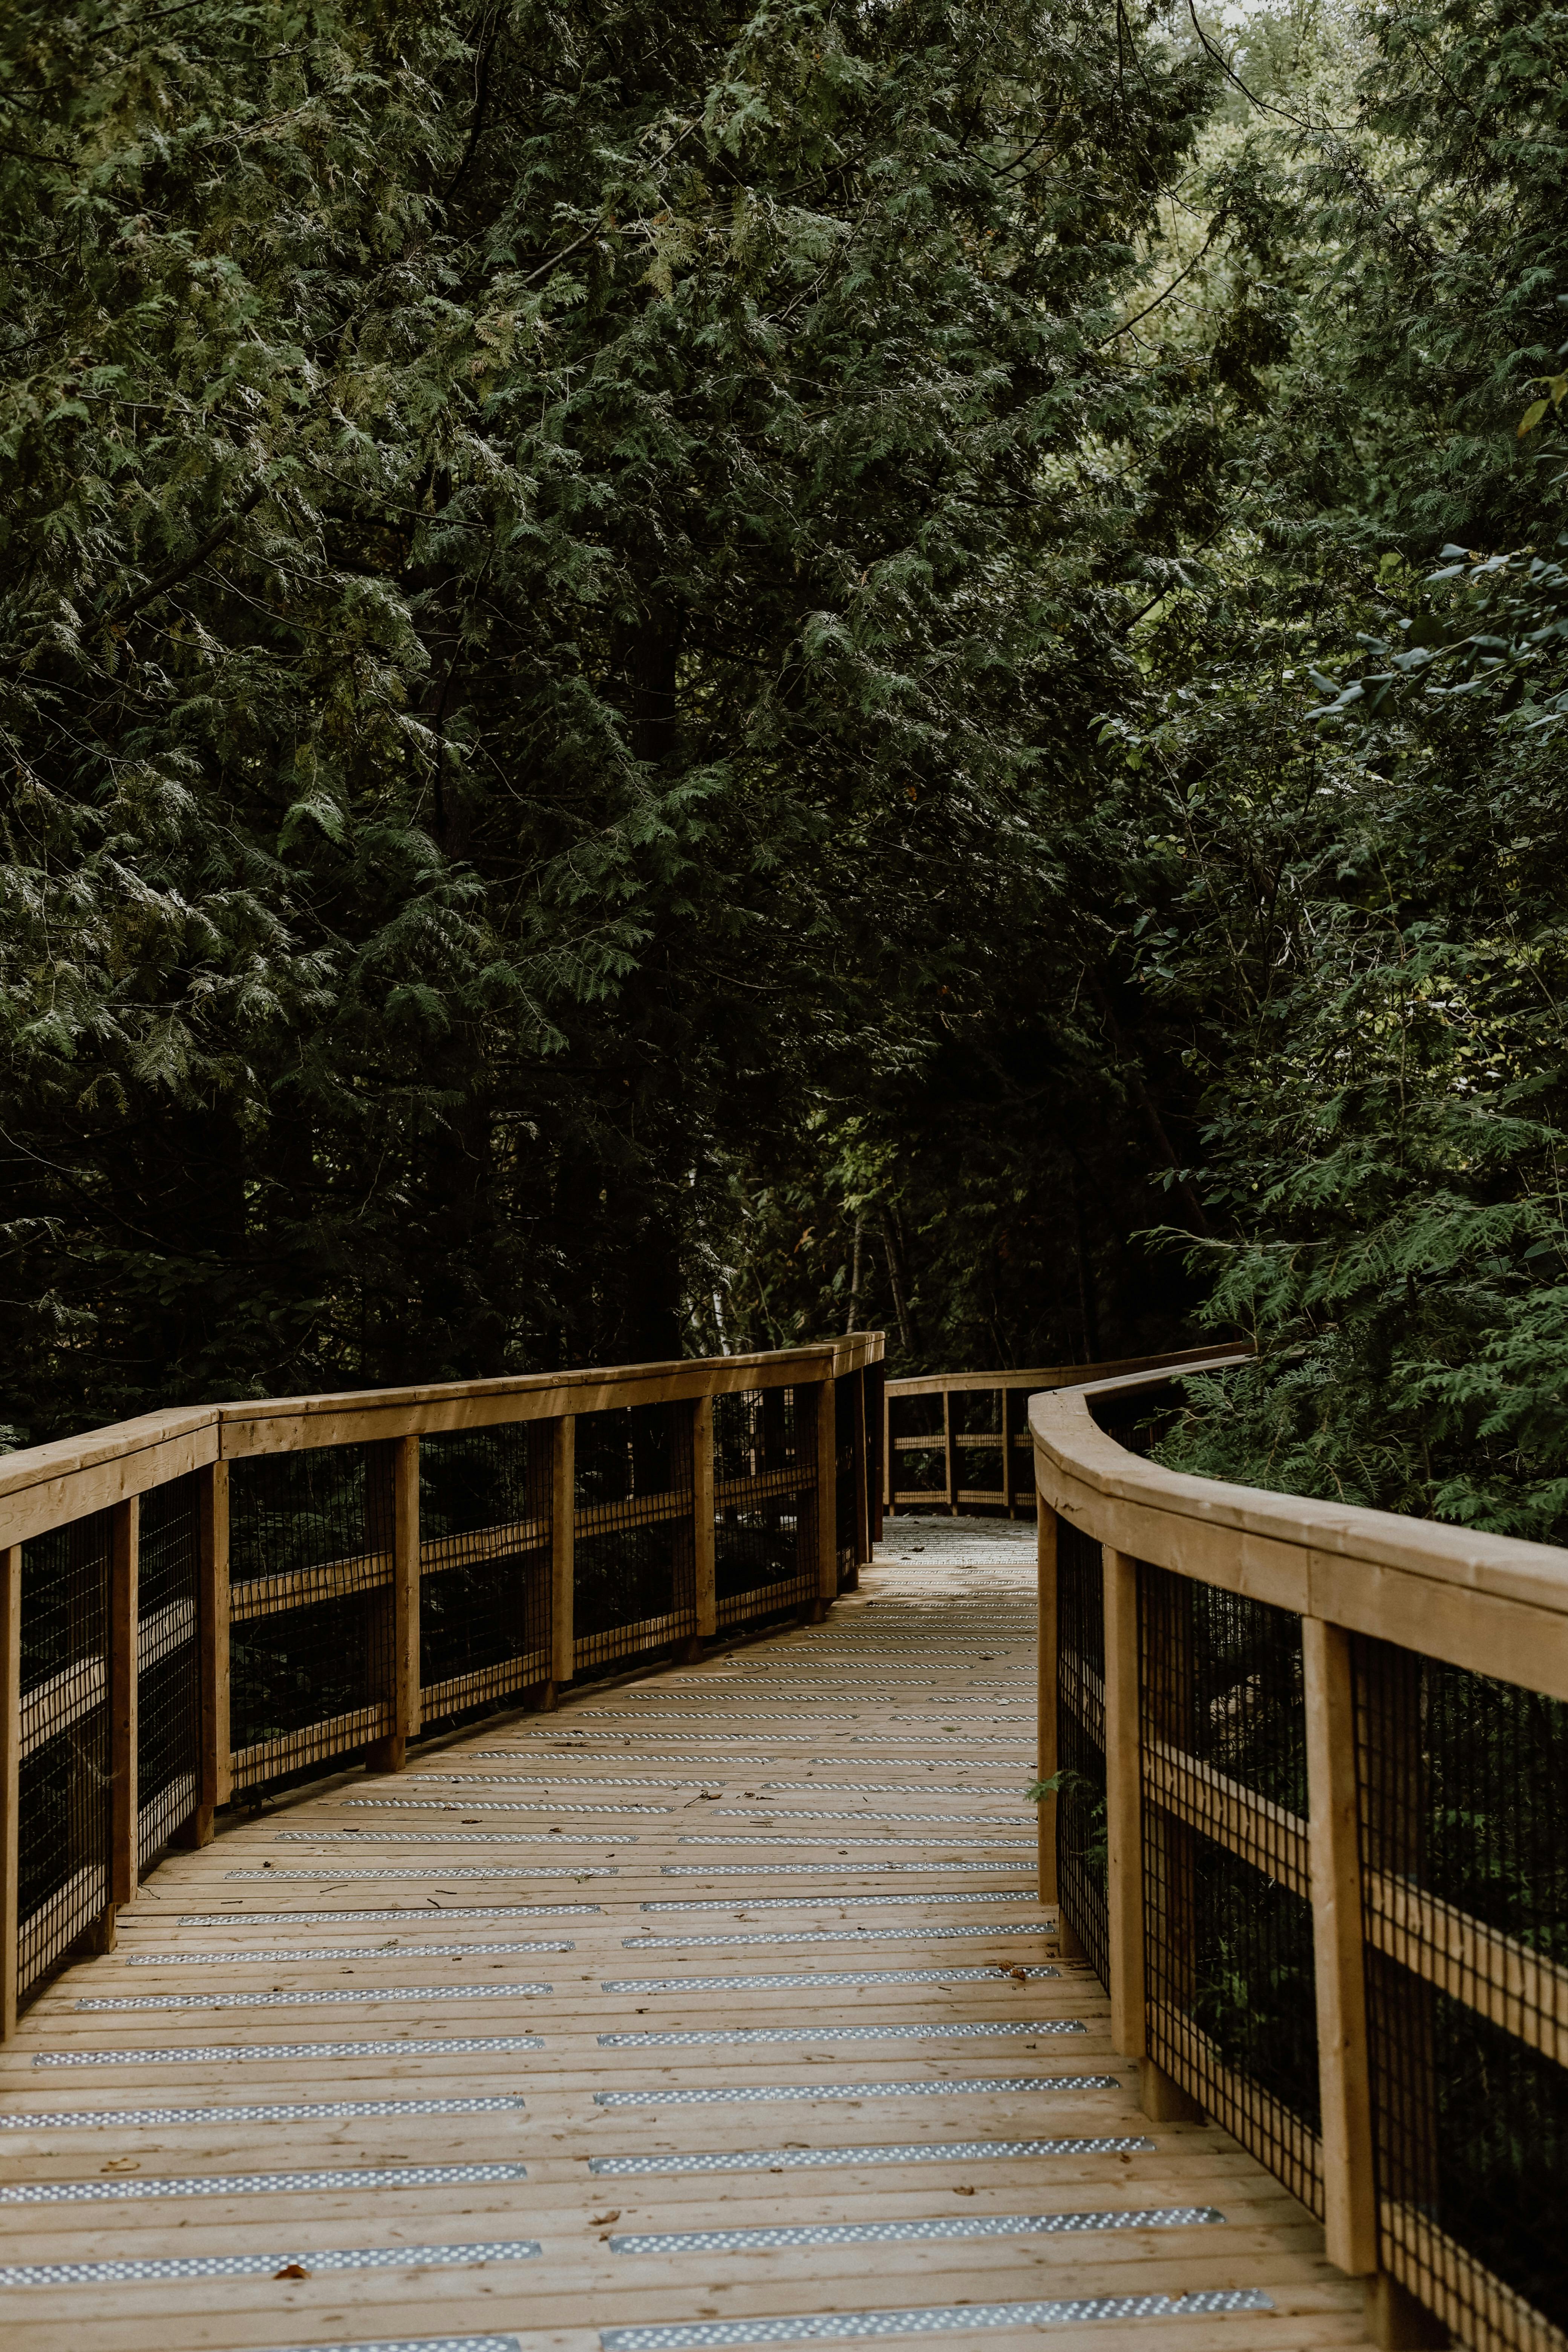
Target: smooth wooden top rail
1060,1376
43,1486
1491,1603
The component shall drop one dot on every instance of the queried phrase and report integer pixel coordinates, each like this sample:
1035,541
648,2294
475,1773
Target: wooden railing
951,1427
204,1602
1310,1770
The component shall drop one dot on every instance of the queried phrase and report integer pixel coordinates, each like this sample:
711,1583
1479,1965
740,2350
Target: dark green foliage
548,558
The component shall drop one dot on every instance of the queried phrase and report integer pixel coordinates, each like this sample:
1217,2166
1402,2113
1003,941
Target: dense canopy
675,677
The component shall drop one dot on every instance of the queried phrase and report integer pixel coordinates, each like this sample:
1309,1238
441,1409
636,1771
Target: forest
678,678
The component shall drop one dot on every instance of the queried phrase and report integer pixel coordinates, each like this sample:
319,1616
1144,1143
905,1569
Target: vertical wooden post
1123,1806
1046,1715
1009,1425
860,1457
876,1438
888,1508
563,1532
399,1526
826,1493
124,1577
703,1518
212,1655
947,1450
10,1781
1350,2187
212,1608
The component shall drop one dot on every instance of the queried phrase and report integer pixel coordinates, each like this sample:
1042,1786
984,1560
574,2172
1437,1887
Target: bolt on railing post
702,1518
1123,1807
10,1782
1045,1734
562,1534
1350,2187
124,1579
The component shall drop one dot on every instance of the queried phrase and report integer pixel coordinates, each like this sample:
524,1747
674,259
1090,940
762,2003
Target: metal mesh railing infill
979,1466
1465,1897
168,1665
63,1874
635,1575
1228,1917
1082,1828
484,1583
765,1502
310,1641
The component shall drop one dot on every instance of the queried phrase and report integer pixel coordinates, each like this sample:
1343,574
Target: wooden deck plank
924,1636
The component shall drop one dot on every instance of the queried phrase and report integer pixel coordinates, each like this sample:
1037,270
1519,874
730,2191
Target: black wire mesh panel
846,1485
64,1790
1464,1792
1227,1917
168,1665
919,1471
765,1502
979,1468
484,1582
310,1626
1081,1744
634,1558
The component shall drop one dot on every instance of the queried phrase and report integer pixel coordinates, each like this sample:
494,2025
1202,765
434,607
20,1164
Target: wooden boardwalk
716,1998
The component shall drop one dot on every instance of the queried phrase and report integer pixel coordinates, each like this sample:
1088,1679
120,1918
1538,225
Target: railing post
402,1469
1123,1807
563,1532
1350,2187
213,1779
1046,1733
10,1782
827,1495
703,1518
124,1579
1009,1423
947,1454
876,1417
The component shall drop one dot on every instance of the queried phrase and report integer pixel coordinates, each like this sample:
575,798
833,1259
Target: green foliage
529,544
673,679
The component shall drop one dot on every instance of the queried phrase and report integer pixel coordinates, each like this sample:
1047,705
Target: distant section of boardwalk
715,2009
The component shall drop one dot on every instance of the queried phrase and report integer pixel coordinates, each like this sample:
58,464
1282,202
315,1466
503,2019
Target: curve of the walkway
713,2009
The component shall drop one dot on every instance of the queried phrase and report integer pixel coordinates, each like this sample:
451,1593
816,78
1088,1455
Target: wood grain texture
1123,1806
1046,1739
862,2041
43,1486
123,1689
562,1526
1492,1603
1350,2180
703,1524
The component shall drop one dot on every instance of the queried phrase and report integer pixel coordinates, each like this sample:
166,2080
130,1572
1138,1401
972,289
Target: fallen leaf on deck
292,2270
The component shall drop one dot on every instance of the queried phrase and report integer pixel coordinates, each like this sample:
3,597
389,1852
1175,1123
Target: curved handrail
1308,1740
1496,1604
42,1487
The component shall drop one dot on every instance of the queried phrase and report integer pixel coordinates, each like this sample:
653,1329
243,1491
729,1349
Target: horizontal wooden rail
253,1651
1406,1590
1015,1488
